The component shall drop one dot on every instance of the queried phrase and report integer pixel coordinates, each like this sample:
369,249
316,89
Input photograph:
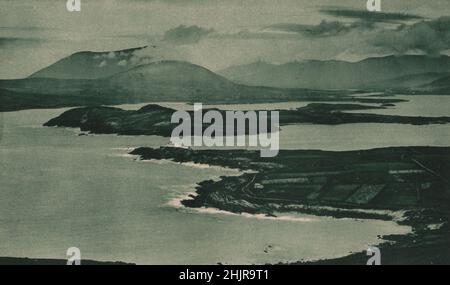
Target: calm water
418,105
234,107
59,190
362,136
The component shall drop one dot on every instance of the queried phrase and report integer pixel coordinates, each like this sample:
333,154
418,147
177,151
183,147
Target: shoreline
244,195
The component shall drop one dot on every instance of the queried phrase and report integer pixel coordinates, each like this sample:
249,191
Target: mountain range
122,77
407,71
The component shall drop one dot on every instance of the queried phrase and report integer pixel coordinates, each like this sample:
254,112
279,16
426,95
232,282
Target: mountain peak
90,65
168,71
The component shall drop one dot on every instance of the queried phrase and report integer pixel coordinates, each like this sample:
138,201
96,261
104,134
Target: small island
156,120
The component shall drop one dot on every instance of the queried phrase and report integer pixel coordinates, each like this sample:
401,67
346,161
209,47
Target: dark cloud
431,37
370,16
183,35
325,28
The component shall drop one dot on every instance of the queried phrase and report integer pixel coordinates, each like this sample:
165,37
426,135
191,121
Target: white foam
176,202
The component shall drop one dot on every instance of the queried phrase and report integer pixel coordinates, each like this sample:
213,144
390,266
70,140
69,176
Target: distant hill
178,79
439,86
163,79
443,82
411,81
170,73
90,65
380,72
184,81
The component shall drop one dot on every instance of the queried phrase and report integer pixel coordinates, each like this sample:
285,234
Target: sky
219,33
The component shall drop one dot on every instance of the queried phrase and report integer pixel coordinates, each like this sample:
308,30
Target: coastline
232,195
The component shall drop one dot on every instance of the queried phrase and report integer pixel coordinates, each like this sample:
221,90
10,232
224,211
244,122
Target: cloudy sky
219,33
